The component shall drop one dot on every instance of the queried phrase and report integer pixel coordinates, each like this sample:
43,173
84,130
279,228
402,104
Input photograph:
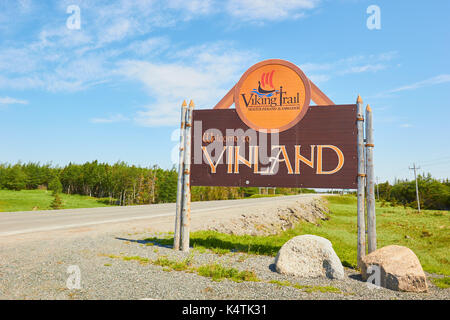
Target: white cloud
193,7
443,78
162,113
439,79
365,63
364,68
258,10
117,39
204,74
60,59
406,125
8,101
116,32
57,38
324,71
149,46
16,60
111,119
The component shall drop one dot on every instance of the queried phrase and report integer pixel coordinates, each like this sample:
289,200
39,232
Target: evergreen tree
16,179
57,202
55,185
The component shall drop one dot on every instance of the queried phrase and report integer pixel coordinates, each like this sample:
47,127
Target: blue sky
112,89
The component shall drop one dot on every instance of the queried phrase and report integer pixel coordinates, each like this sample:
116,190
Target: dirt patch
272,220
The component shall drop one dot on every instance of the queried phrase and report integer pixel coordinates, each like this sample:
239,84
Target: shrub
57,202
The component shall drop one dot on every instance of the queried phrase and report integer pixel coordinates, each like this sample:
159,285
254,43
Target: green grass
169,265
427,234
214,271
443,283
323,289
141,260
281,283
223,243
27,200
307,288
218,272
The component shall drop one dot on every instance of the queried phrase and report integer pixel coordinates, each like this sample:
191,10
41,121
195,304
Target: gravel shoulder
35,267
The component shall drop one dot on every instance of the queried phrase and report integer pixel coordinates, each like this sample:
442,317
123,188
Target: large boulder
400,269
309,256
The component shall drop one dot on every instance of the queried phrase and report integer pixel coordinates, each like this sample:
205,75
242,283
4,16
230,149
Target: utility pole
417,187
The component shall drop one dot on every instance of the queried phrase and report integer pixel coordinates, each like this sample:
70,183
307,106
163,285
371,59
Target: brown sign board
320,151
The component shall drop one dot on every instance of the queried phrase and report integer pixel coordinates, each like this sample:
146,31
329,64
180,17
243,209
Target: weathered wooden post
176,237
186,209
371,214
361,249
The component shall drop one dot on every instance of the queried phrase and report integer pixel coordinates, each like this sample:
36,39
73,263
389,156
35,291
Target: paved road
21,222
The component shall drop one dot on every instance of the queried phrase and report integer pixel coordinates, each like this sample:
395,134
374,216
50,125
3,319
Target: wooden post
361,249
186,211
176,237
371,214
378,190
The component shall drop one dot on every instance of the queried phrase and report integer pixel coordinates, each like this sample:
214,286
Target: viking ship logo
272,95
266,80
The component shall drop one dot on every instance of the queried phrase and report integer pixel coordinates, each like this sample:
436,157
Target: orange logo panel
272,95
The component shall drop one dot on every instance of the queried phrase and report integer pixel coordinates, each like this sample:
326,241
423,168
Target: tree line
433,193
119,183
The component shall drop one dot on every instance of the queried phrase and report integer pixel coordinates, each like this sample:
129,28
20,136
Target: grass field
427,234
26,200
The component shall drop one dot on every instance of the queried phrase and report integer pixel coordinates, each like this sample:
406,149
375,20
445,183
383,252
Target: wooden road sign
273,138
318,152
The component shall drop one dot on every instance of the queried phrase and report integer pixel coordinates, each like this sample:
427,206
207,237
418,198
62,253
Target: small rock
309,256
400,269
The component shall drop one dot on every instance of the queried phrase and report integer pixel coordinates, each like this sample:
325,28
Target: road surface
25,222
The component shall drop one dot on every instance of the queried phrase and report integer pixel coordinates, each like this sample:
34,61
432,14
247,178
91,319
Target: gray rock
309,256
